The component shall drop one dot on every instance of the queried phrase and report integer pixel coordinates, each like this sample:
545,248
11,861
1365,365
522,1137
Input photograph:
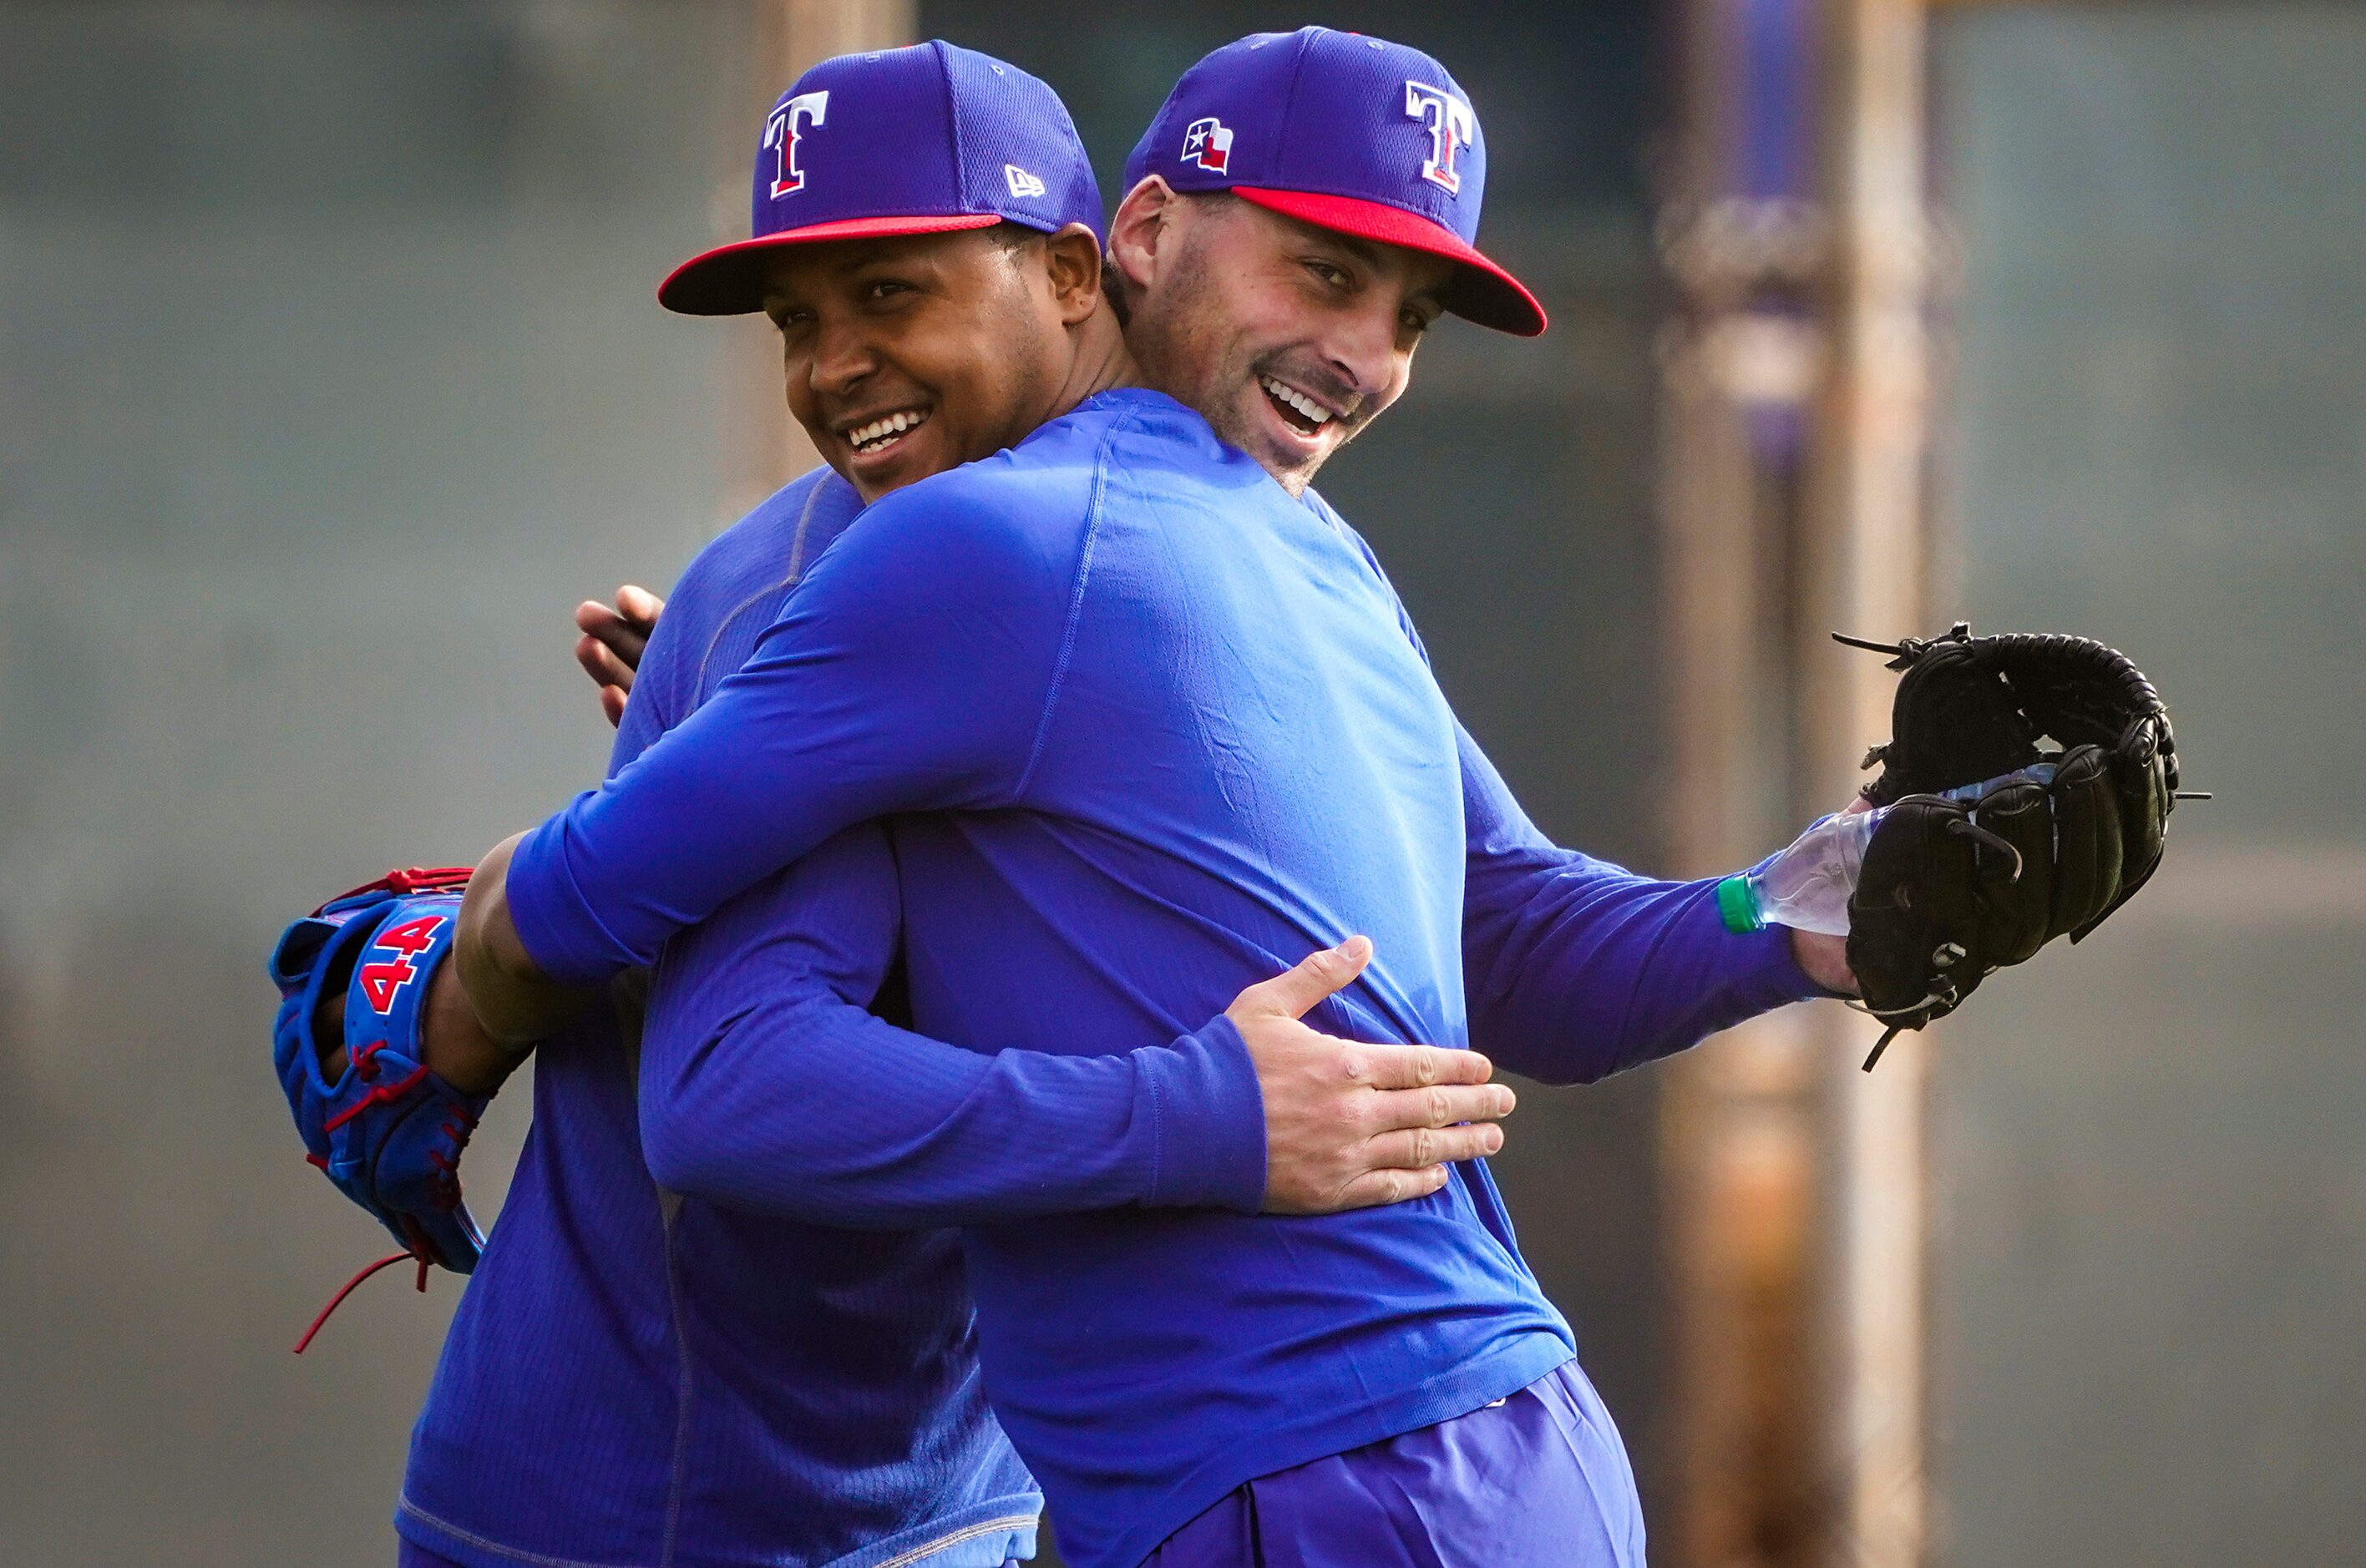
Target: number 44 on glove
1986,842
385,1129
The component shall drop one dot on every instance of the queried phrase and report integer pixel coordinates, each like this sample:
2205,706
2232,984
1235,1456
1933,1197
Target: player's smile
879,442
872,437
1307,415
1299,410
887,443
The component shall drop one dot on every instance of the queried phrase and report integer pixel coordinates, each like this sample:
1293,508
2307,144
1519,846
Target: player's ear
1072,259
1144,222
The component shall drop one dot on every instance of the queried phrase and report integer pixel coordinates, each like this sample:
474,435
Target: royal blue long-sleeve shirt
1169,732
645,1374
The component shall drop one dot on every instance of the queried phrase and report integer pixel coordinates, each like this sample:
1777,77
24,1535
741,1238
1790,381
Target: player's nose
842,356
1362,349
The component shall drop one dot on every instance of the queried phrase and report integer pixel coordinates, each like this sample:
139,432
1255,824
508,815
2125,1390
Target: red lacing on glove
420,1253
459,1126
413,879
365,1063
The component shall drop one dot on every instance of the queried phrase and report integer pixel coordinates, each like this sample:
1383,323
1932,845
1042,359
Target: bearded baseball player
1147,716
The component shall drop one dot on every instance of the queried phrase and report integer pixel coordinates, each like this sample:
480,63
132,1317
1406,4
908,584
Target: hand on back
1350,1125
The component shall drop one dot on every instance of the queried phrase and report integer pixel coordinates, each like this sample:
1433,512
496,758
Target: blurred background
331,380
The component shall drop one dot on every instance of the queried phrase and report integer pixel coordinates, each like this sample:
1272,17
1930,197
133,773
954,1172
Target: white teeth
1313,410
880,430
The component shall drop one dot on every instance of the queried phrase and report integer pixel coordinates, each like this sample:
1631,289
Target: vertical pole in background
1869,561
768,450
1792,497
1744,239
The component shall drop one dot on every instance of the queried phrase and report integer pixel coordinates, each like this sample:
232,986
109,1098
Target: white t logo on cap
780,134
1451,128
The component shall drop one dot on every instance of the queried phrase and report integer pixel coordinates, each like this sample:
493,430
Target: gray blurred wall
2151,1344
330,380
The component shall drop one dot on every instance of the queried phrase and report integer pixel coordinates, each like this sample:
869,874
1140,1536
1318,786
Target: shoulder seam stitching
796,570
1076,610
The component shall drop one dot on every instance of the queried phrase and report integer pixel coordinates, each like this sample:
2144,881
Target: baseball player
1161,718
646,1371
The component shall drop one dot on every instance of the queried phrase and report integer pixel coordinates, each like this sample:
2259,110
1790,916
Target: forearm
1575,972
1575,969
513,1002
766,1084
810,1108
909,671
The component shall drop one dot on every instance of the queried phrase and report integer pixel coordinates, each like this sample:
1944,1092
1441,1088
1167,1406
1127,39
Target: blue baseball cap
918,140
1349,133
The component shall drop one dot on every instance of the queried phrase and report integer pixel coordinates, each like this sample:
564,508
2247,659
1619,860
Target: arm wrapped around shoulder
384,1128
1995,841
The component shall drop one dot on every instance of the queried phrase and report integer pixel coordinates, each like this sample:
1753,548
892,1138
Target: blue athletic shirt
1177,735
641,1373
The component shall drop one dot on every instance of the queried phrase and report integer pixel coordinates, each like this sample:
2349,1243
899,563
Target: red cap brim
1482,291
729,279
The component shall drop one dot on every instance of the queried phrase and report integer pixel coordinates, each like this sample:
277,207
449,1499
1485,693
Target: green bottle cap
1739,905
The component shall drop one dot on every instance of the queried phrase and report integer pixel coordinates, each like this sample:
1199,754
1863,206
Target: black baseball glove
2072,769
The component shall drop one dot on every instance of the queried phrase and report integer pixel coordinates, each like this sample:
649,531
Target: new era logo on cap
1350,133
919,141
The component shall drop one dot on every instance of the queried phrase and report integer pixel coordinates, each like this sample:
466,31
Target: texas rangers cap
918,141
1350,133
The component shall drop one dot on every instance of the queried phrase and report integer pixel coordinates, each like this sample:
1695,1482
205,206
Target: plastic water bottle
1807,886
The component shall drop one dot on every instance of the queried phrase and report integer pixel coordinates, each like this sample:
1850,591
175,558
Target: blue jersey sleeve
1574,969
912,670
766,1084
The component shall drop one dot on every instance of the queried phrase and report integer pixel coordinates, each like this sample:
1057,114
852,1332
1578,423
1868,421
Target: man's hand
1825,958
1351,1126
612,643
457,1048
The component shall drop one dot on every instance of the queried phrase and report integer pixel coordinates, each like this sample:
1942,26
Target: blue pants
1539,1480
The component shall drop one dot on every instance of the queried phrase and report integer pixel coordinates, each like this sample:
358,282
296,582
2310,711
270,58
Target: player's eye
885,288
790,318
1413,323
1330,273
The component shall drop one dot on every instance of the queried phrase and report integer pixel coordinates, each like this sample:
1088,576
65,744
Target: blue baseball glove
387,1131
